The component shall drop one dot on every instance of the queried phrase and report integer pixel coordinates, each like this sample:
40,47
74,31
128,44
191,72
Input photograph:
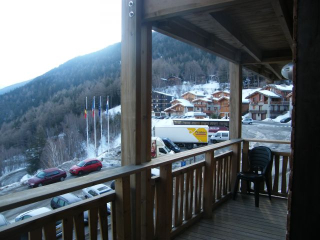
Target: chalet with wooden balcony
219,94
266,104
281,90
179,107
192,95
194,201
160,101
204,105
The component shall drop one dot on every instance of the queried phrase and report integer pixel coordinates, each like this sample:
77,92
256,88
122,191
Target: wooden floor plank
241,220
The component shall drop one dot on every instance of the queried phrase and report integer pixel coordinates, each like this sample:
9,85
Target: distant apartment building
269,102
160,101
179,107
192,95
204,105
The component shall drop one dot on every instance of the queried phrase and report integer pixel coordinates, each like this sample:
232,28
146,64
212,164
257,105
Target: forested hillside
46,114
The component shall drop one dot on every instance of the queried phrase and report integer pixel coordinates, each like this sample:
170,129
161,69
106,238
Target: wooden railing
279,173
171,202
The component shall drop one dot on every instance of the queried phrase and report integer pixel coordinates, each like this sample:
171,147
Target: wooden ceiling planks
263,37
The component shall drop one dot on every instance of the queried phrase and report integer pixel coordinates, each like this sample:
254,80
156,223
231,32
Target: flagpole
108,123
87,124
100,114
94,121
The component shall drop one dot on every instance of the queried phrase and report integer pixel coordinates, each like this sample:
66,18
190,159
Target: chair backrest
260,159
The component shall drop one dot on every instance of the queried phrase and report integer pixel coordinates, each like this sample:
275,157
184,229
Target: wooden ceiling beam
186,32
275,69
262,71
228,25
285,19
155,10
281,56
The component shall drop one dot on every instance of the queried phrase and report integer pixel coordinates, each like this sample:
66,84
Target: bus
214,125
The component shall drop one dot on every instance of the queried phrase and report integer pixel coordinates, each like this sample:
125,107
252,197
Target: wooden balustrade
279,168
173,201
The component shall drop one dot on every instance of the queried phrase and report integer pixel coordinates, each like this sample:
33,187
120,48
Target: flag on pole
93,105
107,106
85,113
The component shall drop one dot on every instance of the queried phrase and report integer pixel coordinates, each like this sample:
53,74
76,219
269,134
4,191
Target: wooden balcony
170,203
241,220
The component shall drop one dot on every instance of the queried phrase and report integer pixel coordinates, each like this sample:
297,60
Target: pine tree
33,153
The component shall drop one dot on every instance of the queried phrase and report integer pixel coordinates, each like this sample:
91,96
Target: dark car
47,176
171,145
66,199
86,166
285,120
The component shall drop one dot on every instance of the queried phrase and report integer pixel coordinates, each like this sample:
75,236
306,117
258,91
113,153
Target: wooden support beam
235,122
135,107
275,69
156,10
189,34
226,23
285,19
282,56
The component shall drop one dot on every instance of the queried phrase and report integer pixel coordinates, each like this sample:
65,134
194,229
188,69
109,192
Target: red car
47,176
86,166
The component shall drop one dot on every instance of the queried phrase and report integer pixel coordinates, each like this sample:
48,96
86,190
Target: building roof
196,93
282,87
183,102
163,93
265,93
203,100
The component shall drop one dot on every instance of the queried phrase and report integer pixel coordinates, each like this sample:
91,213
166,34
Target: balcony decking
240,219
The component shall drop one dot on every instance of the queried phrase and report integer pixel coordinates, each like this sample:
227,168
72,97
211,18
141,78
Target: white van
158,148
220,136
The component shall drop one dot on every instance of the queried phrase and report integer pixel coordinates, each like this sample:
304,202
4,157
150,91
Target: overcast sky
38,35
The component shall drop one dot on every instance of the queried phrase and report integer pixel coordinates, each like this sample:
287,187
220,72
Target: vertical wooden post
135,108
165,202
245,163
235,124
208,185
123,208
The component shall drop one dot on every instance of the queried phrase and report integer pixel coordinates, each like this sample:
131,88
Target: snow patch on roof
164,93
269,93
183,102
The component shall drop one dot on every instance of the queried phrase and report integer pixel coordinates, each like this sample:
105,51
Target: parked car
47,176
285,120
66,199
247,121
220,136
36,212
86,166
3,221
171,145
96,190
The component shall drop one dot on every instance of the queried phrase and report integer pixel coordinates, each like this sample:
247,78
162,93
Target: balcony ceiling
254,33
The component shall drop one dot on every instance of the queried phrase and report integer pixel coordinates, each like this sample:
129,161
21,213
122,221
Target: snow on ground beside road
9,187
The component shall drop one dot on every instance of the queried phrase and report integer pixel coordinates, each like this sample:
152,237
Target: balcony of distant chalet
193,201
